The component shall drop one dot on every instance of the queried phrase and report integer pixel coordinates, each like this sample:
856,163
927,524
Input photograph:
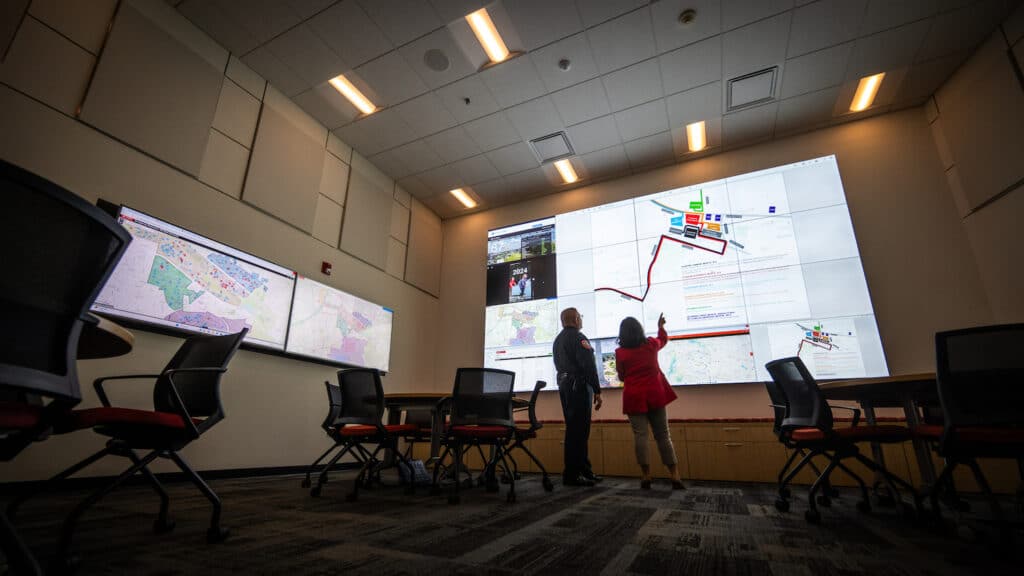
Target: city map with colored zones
531,322
330,324
708,360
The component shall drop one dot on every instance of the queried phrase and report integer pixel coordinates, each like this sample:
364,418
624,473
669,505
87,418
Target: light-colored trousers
658,421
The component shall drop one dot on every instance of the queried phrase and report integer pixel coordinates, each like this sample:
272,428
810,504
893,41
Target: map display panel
175,278
334,325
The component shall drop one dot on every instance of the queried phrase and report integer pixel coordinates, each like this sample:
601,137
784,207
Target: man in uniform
578,386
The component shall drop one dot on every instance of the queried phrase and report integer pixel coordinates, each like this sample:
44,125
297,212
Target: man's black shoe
593,477
578,480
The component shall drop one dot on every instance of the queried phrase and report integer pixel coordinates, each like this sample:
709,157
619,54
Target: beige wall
916,256
240,193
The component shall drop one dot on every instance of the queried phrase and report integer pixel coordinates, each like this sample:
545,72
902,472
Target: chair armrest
182,411
856,412
777,406
97,384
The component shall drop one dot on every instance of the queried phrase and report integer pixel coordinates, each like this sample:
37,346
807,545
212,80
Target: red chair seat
881,433
19,416
481,431
363,430
974,434
91,417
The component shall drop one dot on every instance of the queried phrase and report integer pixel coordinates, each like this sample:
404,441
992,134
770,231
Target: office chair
786,474
58,251
521,435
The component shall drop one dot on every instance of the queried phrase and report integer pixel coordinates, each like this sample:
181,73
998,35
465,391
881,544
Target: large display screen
332,325
175,278
746,270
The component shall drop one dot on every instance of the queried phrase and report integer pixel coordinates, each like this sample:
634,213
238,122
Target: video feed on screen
746,269
178,279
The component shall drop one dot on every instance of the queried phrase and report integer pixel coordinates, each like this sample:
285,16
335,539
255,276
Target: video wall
746,270
178,280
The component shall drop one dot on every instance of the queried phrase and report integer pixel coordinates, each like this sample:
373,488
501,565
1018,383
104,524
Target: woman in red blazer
645,394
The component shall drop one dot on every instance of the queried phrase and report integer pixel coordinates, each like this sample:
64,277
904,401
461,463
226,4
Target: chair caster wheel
216,534
511,499
548,484
782,505
812,517
453,500
163,526
306,483
351,497
785,493
824,501
864,506
315,491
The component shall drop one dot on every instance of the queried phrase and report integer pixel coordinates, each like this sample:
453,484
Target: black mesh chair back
482,397
362,397
57,251
779,403
532,410
196,371
805,406
981,375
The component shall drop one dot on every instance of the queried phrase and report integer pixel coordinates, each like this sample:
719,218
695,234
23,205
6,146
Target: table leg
876,454
394,417
921,451
436,425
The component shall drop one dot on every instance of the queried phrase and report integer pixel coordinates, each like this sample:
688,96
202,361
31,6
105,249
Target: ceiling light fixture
487,35
341,84
565,168
866,91
696,136
461,196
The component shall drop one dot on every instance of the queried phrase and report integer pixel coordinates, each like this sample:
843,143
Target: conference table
103,338
906,391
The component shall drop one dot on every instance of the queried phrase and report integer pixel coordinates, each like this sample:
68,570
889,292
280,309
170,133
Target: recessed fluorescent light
341,84
487,35
696,136
565,168
866,90
461,196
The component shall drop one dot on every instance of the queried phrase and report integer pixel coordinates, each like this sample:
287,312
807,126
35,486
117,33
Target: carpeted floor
711,528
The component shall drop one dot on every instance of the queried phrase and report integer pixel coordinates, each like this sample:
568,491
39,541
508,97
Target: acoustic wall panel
334,180
338,148
367,224
11,14
399,222
246,77
84,23
237,113
396,258
224,164
423,262
37,48
327,224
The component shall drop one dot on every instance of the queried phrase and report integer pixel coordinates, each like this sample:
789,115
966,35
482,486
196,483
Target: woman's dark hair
631,333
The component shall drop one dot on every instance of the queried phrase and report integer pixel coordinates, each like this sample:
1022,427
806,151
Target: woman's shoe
678,485
645,484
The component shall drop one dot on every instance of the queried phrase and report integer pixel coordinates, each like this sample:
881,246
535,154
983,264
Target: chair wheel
812,517
315,491
163,527
216,534
782,505
785,492
305,483
864,506
824,501
548,484
511,499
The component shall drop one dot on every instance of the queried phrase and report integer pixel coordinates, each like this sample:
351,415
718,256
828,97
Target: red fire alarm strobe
325,267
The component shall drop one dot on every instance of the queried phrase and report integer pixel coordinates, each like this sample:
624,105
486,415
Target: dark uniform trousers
576,399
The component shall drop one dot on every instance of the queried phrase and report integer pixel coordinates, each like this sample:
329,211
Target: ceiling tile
736,13
376,132
418,156
390,79
454,9
513,81
276,72
453,144
1013,27
581,62
441,39
541,22
425,115
823,24
961,29
634,85
325,104
814,71
650,151
305,53
527,184
887,50
671,34
755,47
350,33
512,159
712,139
595,12
481,102
492,132
695,104
476,169
402,20
606,162
643,120
623,41
441,179
581,102
213,20
924,79
535,118
691,66
885,14
413,185
594,135
391,164
492,191
749,125
806,111
263,19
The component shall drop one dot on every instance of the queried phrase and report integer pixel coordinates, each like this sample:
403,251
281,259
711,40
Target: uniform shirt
644,387
574,355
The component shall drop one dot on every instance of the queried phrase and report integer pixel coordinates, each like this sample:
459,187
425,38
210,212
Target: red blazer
645,388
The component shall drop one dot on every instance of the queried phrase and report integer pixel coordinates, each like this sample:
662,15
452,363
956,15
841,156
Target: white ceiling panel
513,81
305,53
634,85
924,79
453,144
581,102
594,135
605,162
476,169
390,163
377,132
264,19
425,115
441,179
886,50
350,33
670,33
325,104
650,151
541,22
212,19
885,14
276,72
468,99
402,20
512,159
414,186
736,13
643,120
750,125
623,41
806,111
756,46
535,118
695,105
815,71
492,132
691,66
441,40
391,79
576,50
526,184
454,9
308,8
961,29
418,156
595,12
823,24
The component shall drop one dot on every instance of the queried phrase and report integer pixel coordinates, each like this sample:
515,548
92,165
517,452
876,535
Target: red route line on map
657,251
710,334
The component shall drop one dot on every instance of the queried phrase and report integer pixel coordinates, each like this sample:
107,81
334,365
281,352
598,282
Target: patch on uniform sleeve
586,344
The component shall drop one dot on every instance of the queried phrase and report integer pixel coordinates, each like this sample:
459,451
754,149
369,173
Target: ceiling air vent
751,89
551,147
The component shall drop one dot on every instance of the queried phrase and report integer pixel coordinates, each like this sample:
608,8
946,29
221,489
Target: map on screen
172,277
333,325
746,269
